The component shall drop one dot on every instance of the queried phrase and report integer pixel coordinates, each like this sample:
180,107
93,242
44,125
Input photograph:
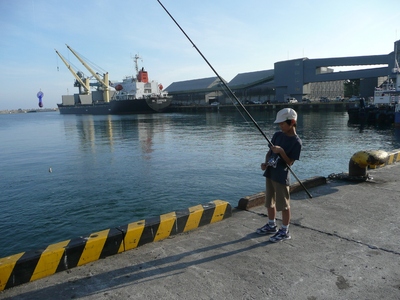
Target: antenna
395,56
135,59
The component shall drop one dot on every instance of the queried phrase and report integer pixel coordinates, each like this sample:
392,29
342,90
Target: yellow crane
85,84
103,82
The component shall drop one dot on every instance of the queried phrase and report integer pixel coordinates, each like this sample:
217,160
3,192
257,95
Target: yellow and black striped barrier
393,157
29,266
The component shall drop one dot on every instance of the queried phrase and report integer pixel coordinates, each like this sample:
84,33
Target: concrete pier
313,106
345,245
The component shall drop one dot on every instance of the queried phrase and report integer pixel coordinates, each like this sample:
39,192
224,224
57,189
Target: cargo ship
133,95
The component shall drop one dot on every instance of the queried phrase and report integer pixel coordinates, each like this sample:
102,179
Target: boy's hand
263,166
277,149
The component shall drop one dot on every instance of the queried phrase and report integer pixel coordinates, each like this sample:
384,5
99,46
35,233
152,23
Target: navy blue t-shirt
292,146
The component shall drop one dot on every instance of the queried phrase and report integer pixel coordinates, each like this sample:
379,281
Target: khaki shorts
277,195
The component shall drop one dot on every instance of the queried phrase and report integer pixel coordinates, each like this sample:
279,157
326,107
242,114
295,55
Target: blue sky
235,37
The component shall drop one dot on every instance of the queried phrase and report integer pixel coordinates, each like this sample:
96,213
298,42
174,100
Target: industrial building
301,78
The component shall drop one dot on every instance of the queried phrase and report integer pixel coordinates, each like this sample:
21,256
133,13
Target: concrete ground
345,245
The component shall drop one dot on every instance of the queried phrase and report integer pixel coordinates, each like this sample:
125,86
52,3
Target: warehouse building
301,78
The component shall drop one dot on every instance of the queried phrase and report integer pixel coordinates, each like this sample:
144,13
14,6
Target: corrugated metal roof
241,80
194,84
251,77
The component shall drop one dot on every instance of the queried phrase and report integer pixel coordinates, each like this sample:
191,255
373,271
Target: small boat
133,95
383,110
389,92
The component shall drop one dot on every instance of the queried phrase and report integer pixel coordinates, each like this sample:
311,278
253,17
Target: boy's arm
267,156
264,165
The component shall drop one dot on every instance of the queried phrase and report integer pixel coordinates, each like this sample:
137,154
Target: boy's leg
271,213
286,217
282,194
270,227
283,204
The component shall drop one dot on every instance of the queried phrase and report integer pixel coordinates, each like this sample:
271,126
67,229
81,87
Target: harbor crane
84,82
103,82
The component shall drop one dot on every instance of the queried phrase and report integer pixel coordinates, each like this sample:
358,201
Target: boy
285,150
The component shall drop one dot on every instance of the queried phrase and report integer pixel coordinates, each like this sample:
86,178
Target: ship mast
103,82
136,58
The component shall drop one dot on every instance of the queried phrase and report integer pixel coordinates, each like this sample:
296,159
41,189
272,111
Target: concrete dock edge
32,265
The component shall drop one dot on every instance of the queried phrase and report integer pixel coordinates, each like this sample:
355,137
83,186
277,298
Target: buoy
50,170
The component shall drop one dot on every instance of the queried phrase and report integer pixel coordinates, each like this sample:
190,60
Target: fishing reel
273,161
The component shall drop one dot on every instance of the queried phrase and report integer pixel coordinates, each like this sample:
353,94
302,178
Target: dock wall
313,106
32,265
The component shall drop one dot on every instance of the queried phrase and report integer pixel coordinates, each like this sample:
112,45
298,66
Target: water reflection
321,132
94,132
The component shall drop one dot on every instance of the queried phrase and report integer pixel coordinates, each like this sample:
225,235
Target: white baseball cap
286,114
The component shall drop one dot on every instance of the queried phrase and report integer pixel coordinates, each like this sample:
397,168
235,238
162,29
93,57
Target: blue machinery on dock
397,115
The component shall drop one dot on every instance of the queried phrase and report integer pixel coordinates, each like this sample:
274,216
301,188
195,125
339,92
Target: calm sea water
108,171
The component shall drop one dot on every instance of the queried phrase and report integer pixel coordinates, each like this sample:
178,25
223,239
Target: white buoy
50,170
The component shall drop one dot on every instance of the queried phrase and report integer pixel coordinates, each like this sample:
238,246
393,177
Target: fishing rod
232,94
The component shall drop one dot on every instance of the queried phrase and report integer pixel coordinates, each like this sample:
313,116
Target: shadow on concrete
320,191
145,271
